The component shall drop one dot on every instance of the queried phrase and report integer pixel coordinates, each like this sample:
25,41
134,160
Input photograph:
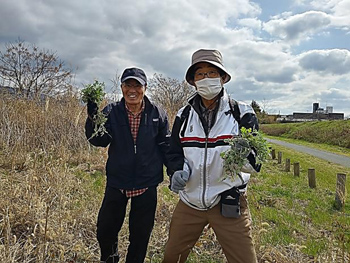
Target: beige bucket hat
211,56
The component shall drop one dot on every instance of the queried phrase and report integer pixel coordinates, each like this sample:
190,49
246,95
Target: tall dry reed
48,205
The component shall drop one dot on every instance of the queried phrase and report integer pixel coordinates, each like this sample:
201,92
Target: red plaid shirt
134,121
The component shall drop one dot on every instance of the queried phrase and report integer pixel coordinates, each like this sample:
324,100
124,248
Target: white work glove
178,180
248,168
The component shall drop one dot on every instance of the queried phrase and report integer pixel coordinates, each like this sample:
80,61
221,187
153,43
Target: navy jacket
133,166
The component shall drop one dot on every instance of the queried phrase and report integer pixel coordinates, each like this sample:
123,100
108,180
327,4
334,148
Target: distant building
318,114
329,109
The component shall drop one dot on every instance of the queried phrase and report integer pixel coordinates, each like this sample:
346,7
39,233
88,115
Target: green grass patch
287,212
319,146
96,179
328,135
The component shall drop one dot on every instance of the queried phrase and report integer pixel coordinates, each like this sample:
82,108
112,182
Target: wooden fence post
287,169
340,191
312,178
273,154
296,169
279,157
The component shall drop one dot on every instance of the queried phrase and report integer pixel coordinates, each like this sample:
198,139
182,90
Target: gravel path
331,157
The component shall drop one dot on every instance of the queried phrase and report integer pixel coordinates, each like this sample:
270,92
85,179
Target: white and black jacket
198,149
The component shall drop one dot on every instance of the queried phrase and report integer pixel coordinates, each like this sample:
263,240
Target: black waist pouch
230,204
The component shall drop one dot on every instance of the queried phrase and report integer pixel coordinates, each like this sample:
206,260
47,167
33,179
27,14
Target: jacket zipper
135,148
205,163
205,170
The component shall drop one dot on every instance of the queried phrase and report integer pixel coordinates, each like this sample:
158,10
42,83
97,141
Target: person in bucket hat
138,138
196,168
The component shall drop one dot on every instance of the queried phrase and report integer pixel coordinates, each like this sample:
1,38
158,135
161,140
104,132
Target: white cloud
101,37
341,15
342,8
253,23
298,27
264,62
326,61
324,4
339,10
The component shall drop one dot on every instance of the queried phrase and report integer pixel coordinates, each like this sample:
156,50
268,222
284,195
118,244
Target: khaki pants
233,234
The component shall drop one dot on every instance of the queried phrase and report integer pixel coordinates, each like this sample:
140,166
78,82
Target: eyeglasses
210,74
130,86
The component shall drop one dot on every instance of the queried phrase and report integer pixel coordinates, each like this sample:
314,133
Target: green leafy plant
236,157
95,93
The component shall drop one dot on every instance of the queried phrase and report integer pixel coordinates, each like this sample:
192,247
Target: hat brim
135,78
191,68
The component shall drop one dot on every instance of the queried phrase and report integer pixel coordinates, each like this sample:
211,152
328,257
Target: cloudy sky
283,54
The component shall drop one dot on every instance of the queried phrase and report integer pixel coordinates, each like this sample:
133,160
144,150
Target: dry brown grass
51,187
47,212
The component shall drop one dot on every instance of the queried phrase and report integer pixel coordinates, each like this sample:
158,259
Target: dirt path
331,157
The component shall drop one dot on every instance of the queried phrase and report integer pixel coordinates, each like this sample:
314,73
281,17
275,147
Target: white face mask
209,88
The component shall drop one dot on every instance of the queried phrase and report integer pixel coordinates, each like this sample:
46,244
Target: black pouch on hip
229,203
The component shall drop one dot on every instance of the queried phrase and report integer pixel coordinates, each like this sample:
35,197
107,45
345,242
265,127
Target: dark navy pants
141,221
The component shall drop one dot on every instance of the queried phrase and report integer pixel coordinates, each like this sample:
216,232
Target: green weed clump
94,93
236,157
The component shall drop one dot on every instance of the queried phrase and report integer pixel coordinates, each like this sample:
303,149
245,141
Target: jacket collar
145,99
223,101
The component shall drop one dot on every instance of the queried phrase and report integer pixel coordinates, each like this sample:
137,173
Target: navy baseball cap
134,73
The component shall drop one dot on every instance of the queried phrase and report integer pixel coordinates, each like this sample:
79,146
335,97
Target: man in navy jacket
138,139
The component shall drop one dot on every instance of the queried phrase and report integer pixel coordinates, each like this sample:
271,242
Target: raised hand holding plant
236,157
93,95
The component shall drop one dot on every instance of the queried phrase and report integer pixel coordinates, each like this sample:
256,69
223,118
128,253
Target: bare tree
116,92
265,106
170,94
32,70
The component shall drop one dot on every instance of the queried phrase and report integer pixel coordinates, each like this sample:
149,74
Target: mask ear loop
223,77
